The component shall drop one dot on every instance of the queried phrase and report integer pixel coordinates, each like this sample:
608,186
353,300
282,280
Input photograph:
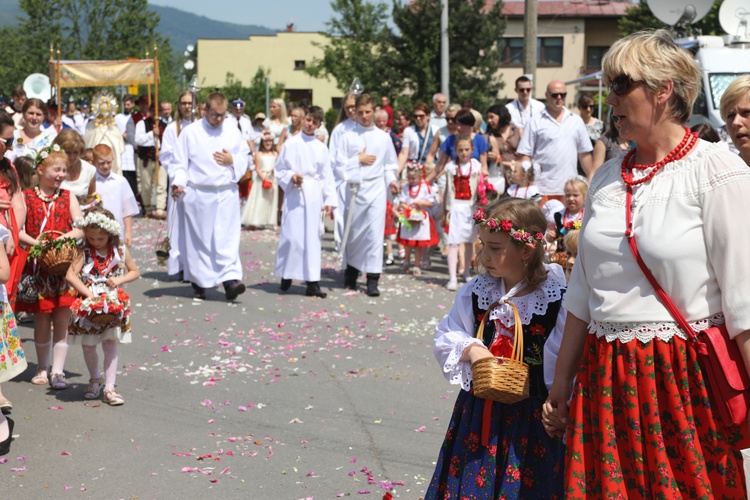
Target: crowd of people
511,199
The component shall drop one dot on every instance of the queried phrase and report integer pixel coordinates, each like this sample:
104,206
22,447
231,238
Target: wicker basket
56,261
103,320
505,380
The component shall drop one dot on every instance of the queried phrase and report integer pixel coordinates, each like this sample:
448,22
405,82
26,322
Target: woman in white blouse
81,179
278,121
641,423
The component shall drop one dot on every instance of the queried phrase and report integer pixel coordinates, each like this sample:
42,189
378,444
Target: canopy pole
155,179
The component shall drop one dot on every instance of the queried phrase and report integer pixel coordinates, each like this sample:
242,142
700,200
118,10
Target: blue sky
307,15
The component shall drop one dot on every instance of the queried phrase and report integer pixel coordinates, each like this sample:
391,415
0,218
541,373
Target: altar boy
303,171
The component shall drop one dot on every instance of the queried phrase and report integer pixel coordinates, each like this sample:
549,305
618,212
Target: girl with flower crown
50,212
97,275
417,228
495,450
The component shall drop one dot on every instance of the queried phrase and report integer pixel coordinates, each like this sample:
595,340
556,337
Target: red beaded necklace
628,163
413,194
102,263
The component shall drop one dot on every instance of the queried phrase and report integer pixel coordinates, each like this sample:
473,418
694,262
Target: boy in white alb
303,171
117,197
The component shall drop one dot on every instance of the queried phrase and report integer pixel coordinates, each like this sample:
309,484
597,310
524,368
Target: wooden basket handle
517,351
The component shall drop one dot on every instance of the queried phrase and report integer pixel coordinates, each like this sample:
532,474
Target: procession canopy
104,73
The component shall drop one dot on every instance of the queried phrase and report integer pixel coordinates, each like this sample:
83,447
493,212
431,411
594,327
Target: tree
639,17
85,30
254,95
358,46
473,34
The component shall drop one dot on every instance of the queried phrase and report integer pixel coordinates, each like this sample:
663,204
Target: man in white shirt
437,115
555,139
128,155
211,156
367,164
239,119
524,107
117,197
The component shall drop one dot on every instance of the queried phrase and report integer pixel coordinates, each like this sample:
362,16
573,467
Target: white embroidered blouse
688,221
456,332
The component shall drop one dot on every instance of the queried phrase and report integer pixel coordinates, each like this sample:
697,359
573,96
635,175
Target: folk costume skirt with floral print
12,358
643,427
520,462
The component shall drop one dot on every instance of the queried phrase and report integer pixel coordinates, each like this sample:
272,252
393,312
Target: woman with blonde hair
735,110
278,121
643,421
81,180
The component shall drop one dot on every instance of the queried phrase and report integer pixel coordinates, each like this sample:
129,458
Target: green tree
358,46
85,30
639,17
254,95
474,59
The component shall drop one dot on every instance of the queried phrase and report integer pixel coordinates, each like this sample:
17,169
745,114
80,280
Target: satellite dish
674,12
190,47
189,64
734,17
37,85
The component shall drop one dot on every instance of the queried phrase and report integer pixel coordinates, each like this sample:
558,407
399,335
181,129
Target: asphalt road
271,397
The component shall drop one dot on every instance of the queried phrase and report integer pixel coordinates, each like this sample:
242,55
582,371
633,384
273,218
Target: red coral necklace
628,163
102,263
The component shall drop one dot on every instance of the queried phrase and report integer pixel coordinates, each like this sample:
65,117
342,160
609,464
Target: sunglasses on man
558,95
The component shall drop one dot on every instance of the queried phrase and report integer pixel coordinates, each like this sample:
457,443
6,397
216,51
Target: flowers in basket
104,310
54,255
410,215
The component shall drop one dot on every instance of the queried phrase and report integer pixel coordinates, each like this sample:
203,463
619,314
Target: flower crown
570,225
42,154
96,219
519,236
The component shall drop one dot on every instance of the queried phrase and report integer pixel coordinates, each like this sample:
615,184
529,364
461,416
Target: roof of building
571,8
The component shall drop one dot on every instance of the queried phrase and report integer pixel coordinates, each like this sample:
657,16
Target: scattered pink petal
214,480
65,454
225,471
4,460
165,348
22,459
421,429
310,474
363,492
353,461
18,469
68,487
56,407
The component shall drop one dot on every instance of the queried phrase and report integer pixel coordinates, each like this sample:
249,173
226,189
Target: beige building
572,38
285,54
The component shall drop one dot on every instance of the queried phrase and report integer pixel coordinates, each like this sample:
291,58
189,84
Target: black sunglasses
622,84
587,106
558,95
451,120
8,142
523,90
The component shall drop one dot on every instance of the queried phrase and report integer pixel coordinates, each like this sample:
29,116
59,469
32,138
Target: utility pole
444,61
529,42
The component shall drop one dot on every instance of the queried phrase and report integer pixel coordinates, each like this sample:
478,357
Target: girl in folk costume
463,177
49,210
261,207
104,266
571,216
522,177
495,450
417,229
12,358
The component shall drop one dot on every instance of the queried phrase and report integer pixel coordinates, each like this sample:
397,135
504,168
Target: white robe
364,249
338,214
211,225
298,255
176,213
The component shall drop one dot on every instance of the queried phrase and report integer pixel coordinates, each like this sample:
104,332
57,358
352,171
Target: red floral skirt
642,427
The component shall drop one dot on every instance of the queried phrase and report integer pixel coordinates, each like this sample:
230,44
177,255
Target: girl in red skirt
416,229
49,209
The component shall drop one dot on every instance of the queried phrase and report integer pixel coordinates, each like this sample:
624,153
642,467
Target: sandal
112,398
57,381
40,378
93,389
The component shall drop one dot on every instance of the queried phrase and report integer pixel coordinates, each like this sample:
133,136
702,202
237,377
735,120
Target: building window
549,51
594,57
300,65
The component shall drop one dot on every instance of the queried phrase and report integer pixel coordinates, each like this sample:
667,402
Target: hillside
181,27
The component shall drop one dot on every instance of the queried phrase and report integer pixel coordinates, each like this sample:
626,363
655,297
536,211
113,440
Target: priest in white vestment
303,171
209,158
367,162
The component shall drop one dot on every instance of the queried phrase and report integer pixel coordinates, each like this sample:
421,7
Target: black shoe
285,284
233,289
198,292
350,278
372,285
313,290
5,445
